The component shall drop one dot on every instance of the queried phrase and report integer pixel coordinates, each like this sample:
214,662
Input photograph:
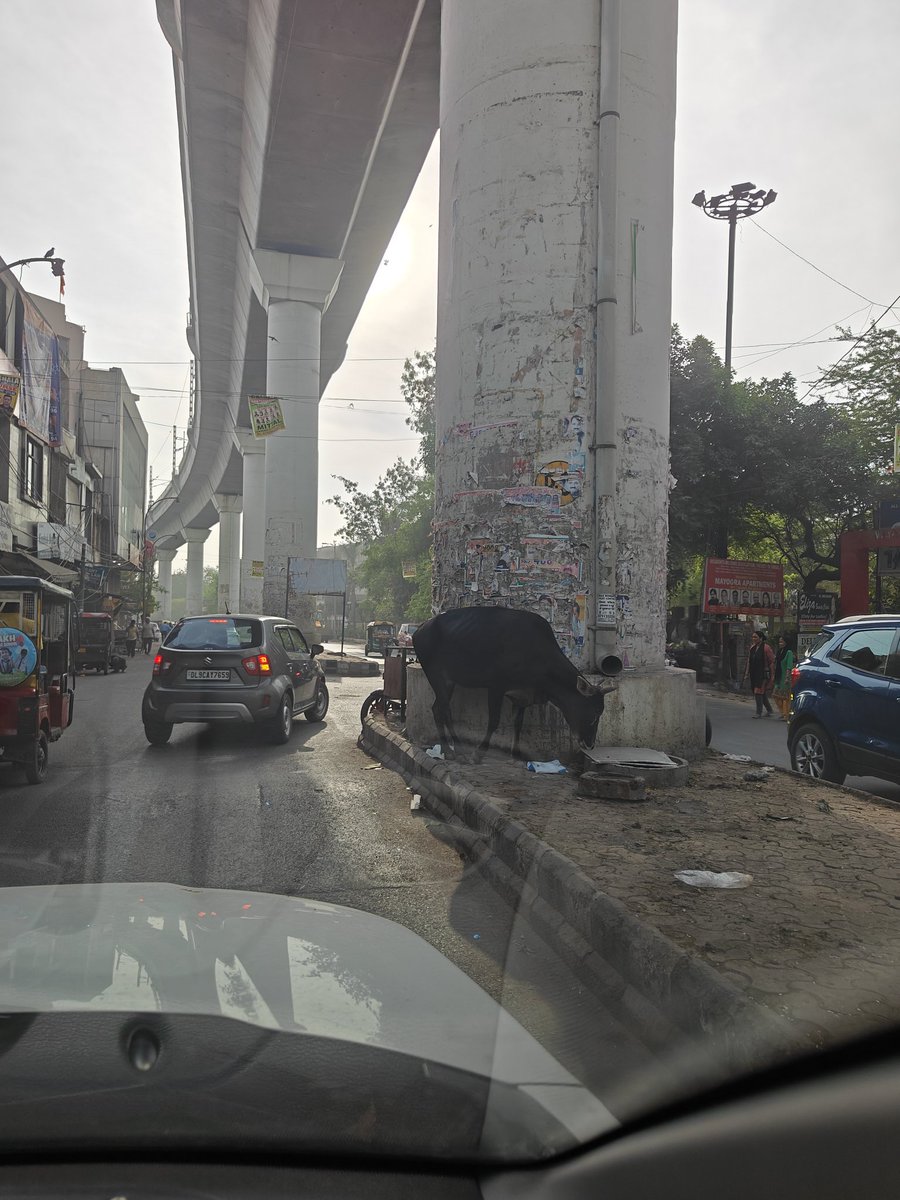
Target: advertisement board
266,416
814,611
737,587
61,542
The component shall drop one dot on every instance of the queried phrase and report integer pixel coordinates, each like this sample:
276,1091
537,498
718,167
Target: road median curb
659,987
335,665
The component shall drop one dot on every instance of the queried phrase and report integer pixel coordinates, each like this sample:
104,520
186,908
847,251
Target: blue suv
845,715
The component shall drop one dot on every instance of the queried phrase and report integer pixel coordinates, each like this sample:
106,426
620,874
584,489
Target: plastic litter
759,776
554,767
714,879
435,751
738,757
415,804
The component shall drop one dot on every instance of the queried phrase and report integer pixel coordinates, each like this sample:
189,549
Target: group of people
769,674
146,633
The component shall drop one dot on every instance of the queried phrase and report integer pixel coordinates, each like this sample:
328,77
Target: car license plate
209,676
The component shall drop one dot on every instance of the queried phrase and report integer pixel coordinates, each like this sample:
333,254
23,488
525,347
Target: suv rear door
300,664
864,701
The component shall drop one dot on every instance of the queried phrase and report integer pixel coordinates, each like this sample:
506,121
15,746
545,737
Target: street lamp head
699,199
741,189
770,197
743,200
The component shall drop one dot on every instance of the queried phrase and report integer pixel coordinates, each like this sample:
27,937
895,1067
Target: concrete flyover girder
303,128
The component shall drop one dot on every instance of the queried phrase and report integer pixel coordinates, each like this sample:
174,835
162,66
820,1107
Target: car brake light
156,664
257,665
161,665
795,671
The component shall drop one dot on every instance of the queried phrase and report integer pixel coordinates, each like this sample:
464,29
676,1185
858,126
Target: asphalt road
735,732
219,808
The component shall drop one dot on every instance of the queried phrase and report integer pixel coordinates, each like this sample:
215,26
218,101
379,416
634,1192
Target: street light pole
743,200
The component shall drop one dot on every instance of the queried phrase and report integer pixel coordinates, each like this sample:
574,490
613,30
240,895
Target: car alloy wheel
809,755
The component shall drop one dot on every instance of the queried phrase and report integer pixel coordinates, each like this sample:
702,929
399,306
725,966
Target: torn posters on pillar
562,470
266,416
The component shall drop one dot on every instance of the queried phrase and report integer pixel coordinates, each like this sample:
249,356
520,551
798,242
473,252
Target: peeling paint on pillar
517,337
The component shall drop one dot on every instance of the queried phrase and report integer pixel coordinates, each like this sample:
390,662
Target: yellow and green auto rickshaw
380,637
37,670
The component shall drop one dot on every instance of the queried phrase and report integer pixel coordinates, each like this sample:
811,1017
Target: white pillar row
229,595
253,521
165,558
195,539
297,290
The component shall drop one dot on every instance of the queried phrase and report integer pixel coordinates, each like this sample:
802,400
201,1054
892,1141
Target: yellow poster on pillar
266,416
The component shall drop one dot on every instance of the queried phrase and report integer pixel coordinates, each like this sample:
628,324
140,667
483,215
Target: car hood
281,963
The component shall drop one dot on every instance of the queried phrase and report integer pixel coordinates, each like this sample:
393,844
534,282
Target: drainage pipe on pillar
604,656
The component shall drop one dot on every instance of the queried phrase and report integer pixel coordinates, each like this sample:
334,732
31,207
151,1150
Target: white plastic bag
554,767
714,879
435,751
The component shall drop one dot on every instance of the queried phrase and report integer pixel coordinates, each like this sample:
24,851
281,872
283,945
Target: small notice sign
266,416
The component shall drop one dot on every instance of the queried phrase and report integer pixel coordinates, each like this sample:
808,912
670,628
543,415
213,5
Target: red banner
751,588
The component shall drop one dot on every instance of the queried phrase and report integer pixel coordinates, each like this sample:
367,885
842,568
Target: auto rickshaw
380,637
37,670
96,642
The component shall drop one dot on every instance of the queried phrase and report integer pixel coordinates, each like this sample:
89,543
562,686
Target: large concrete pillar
556,219
229,594
253,521
165,558
296,291
194,602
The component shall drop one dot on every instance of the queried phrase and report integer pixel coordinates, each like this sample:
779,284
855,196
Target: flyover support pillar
229,507
165,558
296,290
194,601
253,522
553,335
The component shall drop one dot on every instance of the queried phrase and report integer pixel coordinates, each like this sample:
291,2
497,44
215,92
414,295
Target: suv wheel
284,722
813,754
320,708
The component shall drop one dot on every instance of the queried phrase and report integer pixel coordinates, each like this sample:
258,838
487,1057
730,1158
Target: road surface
217,808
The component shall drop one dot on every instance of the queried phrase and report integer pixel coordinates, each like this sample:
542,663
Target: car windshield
456,413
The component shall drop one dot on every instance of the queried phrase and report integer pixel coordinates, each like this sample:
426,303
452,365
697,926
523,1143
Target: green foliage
210,589
767,476
392,523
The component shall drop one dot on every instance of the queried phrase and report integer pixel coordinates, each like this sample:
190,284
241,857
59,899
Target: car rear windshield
215,633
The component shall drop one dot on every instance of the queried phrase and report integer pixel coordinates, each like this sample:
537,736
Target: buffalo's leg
443,717
517,728
495,703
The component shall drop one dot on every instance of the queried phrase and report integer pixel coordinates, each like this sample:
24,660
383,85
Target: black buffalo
510,652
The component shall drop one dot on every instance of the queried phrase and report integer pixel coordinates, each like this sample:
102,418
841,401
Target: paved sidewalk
808,953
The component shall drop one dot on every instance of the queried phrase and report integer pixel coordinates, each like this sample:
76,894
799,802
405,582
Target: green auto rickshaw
380,637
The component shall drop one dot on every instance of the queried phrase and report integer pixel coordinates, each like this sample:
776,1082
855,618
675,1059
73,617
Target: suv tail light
161,665
257,665
795,672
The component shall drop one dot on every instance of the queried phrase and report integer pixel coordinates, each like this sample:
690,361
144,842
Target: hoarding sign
889,560
733,586
266,416
814,611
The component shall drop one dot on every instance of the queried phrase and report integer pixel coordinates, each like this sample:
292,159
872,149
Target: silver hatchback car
248,670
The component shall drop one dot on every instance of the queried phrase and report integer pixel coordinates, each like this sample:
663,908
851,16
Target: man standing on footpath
147,635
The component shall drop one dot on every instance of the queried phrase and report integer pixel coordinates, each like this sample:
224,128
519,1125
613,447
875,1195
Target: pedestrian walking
147,635
131,637
760,670
784,665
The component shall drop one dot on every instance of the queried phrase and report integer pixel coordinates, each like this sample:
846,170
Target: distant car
157,633
845,718
246,670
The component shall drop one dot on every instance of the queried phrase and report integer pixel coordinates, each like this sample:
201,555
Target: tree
785,479
210,589
392,523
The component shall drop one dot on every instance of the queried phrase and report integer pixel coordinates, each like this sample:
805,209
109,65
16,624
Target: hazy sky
798,95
